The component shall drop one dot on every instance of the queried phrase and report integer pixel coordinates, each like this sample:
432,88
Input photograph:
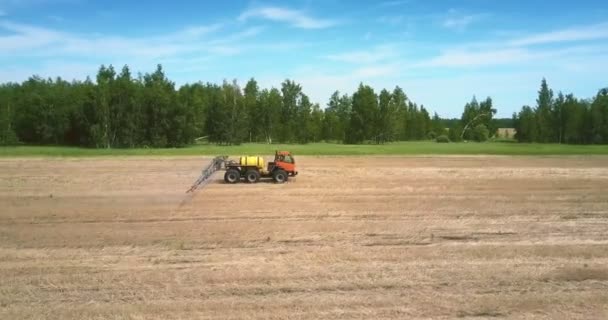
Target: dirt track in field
351,237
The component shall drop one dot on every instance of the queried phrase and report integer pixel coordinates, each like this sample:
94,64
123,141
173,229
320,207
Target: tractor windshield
287,158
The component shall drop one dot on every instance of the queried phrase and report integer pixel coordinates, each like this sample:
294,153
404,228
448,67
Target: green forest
120,110
563,119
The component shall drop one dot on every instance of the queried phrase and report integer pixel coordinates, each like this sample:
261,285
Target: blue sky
440,52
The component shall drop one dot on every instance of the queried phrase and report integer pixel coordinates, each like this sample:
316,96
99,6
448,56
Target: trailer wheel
232,176
252,176
280,176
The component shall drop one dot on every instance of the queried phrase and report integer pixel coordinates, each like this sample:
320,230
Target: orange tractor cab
252,168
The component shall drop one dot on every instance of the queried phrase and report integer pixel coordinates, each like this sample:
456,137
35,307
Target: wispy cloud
25,37
512,50
394,3
392,20
507,55
197,31
459,22
18,5
108,14
240,35
28,40
477,58
296,18
185,51
583,33
374,71
56,18
375,54
502,66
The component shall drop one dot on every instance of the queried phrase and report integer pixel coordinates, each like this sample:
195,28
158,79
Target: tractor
250,169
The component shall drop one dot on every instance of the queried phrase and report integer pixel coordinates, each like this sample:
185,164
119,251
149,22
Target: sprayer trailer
252,168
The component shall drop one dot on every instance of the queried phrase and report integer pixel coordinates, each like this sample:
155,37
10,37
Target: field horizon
329,149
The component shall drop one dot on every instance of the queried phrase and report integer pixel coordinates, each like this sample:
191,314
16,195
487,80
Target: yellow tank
251,161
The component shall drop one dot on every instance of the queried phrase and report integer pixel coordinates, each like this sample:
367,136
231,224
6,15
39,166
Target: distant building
506,133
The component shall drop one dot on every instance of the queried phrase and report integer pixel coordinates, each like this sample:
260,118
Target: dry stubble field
351,237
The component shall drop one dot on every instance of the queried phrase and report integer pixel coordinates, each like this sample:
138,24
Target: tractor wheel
252,176
232,176
280,176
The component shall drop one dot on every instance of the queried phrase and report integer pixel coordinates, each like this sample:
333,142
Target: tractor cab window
287,158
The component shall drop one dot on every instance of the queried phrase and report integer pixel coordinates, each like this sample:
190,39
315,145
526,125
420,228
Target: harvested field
351,238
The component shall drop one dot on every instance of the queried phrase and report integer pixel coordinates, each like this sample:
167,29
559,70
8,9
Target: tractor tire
252,176
280,176
232,176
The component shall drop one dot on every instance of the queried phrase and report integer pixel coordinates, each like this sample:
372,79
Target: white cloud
296,18
458,22
225,50
235,37
509,89
375,71
29,3
467,69
74,55
16,6
55,18
392,20
510,56
197,31
394,3
517,50
375,54
505,69
457,58
26,37
36,41
592,32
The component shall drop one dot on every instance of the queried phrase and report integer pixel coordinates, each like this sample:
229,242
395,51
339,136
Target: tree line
120,110
563,119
